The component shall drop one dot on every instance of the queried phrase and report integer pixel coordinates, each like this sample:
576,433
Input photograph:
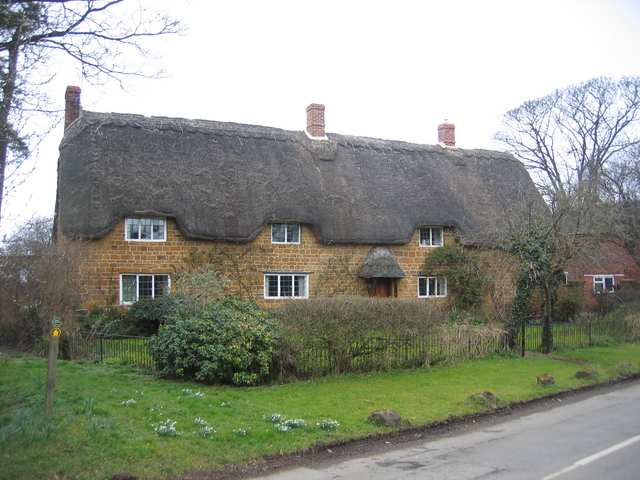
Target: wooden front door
382,287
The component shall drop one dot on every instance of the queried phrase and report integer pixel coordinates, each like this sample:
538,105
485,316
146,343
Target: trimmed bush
355,334
227,341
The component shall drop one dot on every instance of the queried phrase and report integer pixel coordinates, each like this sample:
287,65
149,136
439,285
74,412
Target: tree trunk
8,91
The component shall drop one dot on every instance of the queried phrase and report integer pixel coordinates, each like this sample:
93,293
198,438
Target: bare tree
100,35
38,281
570,140
567,138
621,187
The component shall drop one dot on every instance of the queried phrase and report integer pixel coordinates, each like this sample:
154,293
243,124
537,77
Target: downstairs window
134,287
285,285
603,284
432,287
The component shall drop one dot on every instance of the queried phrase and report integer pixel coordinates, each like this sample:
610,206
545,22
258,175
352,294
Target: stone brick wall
333,269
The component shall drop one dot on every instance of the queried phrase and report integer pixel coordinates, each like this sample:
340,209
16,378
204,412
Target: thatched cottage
283,214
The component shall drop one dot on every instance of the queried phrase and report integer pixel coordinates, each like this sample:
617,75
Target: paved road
596,438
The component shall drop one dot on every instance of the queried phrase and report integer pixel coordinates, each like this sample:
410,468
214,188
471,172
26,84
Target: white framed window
286,285
285,233
603,283
145,229
432,287
431,237
134,287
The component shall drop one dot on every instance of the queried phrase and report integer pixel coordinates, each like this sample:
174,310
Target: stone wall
334,269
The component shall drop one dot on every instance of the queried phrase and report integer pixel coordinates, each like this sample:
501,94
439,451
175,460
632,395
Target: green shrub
568,308
227,341
141,319
145,316
628,316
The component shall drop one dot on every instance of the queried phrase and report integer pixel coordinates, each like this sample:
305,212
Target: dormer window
431,237
285,233
145,229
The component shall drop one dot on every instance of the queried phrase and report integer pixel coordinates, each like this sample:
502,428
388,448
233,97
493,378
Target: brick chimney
315,121
447,134
71,105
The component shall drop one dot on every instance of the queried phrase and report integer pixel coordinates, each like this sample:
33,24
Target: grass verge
111,417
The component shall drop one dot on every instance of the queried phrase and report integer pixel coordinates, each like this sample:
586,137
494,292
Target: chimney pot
447,134
315,120
71,105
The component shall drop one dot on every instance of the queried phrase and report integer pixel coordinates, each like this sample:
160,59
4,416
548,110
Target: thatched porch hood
227,181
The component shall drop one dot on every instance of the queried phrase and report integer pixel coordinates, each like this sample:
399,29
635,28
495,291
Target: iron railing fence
573,334
304,358
385,350
101,347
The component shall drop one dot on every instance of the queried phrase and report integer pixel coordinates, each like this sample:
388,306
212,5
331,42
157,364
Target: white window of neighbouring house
145,229
285,233
431,237
432,287
134,287
603,284
285,285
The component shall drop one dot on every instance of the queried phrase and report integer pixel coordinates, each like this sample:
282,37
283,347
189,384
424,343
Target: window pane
158,229
129,288
160,285
272,285
425,236
286,285
145,229
145,286
608,284
436,237
293,232
278,232
431,289
440,287
300,286
422,287
132,228
598,284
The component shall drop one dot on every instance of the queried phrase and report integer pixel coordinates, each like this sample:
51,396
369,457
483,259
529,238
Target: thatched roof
381,263
226,181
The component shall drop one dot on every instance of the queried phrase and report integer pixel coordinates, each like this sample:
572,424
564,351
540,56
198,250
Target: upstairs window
145,229
603,284
284,285
432,287
285,233
134,287
431,237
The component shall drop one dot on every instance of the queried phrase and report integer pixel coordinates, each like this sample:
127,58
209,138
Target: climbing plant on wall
461,267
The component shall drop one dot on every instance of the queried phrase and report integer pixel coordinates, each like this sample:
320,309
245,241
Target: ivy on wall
461,267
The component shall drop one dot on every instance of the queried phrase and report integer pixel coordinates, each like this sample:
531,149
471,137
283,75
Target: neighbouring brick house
605,266
287,214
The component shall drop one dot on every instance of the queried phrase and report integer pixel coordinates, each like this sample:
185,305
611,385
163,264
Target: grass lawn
104,414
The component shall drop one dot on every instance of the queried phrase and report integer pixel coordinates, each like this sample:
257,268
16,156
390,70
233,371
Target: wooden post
51,374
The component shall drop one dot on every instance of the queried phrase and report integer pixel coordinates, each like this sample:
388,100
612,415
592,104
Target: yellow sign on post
51,371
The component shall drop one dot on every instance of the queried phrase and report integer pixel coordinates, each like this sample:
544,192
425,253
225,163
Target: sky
383,69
